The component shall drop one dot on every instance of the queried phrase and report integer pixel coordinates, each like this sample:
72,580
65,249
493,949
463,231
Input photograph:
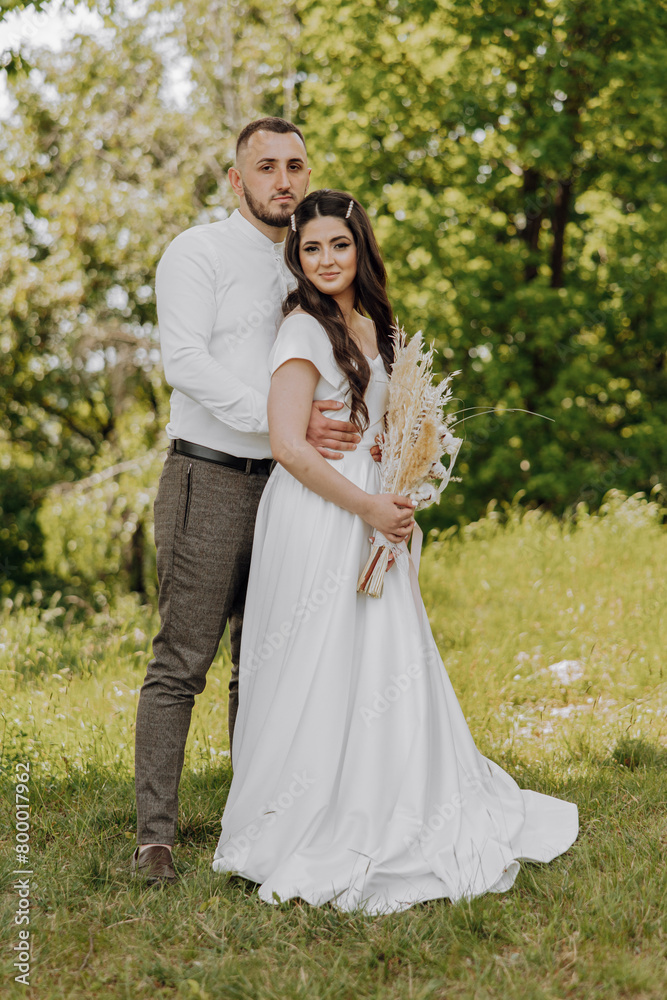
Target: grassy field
554,638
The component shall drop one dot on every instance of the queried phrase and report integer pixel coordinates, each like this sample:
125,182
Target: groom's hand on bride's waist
331,437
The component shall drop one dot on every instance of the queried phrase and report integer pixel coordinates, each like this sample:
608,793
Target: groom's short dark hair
280,125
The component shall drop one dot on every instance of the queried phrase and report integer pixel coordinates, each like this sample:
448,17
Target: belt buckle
248,466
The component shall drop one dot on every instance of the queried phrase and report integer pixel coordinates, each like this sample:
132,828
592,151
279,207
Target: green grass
506,602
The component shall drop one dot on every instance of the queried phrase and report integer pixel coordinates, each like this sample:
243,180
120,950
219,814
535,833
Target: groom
219,290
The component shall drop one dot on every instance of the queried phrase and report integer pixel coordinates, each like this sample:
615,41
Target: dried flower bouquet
417,436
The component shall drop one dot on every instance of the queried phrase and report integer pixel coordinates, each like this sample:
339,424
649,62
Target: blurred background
511,156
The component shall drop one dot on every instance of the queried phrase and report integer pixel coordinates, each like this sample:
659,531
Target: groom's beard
279,217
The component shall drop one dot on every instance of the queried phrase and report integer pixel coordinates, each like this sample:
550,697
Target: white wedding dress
356,778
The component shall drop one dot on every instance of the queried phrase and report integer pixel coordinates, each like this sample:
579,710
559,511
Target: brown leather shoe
155,865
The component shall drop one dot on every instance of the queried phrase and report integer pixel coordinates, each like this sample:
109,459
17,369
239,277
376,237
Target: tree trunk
559,222
534,214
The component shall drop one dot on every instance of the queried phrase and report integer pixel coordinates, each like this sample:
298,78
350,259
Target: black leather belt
247,465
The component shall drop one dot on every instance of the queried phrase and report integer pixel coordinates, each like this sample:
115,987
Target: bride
356,779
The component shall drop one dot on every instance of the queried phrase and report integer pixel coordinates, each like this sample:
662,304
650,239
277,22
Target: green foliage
512,159
98,531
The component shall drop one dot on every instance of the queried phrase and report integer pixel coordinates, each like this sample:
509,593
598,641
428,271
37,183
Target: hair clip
349,208
292,221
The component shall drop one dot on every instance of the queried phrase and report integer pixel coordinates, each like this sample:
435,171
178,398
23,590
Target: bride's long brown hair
370,297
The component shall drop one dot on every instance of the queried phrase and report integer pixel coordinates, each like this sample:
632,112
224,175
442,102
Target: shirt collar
253,234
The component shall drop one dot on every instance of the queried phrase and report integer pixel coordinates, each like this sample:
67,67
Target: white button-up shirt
219,290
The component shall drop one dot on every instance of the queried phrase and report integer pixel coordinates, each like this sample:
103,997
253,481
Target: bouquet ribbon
416,546
409,562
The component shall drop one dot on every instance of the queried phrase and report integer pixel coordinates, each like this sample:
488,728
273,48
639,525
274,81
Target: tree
511,155
108,171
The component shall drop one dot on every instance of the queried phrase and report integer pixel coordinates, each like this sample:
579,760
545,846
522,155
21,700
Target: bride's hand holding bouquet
388,512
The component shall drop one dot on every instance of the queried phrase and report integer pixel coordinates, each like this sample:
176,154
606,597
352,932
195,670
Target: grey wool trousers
204,521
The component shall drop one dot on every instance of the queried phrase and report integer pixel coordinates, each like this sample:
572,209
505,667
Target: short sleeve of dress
301,336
